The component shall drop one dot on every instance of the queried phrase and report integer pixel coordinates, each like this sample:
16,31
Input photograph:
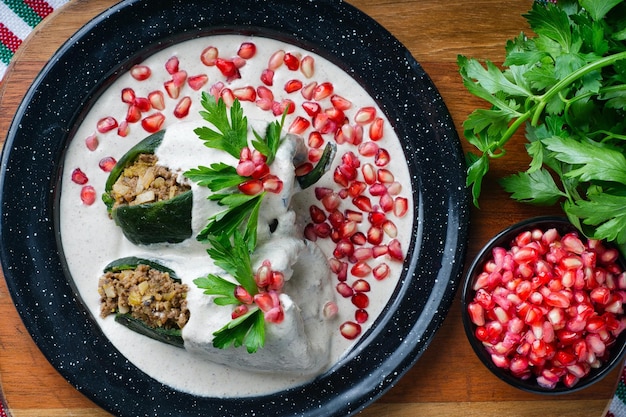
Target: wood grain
448,380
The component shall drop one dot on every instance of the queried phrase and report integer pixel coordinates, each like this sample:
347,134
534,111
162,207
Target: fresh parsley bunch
567,86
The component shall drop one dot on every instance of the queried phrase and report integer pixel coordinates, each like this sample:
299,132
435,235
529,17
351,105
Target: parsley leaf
216,285
231,134
216,177
247,330
567,86
234,258
242,210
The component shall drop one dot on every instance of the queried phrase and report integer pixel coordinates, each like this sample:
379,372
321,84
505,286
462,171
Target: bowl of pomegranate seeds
543,306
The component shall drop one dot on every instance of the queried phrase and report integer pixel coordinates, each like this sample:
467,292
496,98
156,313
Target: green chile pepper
170,336
156,222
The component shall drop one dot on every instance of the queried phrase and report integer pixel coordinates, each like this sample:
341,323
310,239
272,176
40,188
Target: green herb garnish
232,233
567,86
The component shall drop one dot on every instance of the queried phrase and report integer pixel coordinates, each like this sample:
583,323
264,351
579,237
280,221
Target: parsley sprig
234,258
232,233
567,87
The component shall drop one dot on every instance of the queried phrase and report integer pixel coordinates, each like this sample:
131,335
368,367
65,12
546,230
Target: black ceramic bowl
503,239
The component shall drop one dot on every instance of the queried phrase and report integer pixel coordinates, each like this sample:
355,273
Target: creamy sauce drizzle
91,240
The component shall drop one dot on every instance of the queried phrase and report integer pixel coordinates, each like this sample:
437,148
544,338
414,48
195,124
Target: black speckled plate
32,258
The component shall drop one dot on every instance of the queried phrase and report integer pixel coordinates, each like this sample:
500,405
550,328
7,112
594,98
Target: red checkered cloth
17,19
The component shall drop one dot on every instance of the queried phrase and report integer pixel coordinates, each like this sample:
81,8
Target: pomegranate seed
267,77
182,107
340,103
323,91
276,60
361,269
353,215
321,192
322,230
157,100
79,177
251,187
359,238
272,184
123,129
239,311
311,108
363,203
88,195
209,56
375,235
344,290
133,114
276,281
172,64
285,105
303,169
299,125
317,214
344,248
382,157
307,66
350,330
376,129
390,229
172,90
107,163
381,271
330,309
292,61
308,91
316,140
395,250
331,201
369,173
292,86
142,104
380,250
336,218
400,206
179,78
360,285
247,50
92,142
360,300
245,93
335,115
140,72
153,122
106,124
228,69
263,300
356,188
196,82
361,315
368,149
377,189
128,95
386,202
365,115
227,96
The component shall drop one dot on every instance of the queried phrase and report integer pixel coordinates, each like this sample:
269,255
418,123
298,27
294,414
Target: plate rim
446,292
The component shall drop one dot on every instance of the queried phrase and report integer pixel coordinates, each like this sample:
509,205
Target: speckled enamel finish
33,260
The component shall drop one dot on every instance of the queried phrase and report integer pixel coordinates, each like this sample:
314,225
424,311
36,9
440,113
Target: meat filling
145,182
147,294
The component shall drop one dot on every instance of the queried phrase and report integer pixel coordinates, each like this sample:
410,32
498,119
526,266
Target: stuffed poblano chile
145,199
146,297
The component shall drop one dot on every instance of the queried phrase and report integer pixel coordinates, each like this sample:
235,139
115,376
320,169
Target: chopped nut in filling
145,182
147,294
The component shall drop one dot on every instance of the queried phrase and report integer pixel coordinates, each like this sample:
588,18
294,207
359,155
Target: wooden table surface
448,380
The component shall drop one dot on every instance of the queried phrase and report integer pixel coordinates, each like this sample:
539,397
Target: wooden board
449,380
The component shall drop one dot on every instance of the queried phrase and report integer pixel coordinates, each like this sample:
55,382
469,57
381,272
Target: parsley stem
580,72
